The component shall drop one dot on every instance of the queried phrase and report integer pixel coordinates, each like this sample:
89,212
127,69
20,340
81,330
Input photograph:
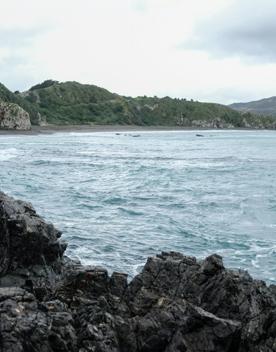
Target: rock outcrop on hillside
49,303
13,117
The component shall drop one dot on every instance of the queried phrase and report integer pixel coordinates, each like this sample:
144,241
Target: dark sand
49,129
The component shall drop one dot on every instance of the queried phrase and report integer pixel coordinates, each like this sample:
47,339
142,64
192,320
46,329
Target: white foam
7,154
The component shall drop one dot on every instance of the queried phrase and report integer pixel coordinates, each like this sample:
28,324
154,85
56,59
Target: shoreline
51,129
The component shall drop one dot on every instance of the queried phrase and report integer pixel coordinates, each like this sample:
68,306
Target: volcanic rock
49,303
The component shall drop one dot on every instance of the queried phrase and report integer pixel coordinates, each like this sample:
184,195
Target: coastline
51,129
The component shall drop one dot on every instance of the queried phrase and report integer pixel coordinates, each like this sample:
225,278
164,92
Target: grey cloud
247,29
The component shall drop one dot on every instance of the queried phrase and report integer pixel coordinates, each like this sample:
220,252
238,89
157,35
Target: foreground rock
13,117
50,303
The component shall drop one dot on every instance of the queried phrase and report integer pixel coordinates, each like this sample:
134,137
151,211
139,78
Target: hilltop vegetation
75,103
72,102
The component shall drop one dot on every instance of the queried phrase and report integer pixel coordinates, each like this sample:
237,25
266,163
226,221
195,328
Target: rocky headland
50,303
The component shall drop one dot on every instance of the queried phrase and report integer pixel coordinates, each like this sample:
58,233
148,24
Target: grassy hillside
75,103
71,102
261,107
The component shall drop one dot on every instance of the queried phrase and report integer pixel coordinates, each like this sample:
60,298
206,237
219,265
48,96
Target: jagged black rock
49,303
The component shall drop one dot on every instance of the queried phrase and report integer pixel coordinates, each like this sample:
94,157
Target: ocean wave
120,200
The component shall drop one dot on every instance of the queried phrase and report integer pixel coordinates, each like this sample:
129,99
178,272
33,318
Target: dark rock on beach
50,303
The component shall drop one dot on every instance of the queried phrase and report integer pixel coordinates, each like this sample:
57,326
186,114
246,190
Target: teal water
119,199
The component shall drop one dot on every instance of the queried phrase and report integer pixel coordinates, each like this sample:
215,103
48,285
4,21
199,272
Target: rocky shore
49,303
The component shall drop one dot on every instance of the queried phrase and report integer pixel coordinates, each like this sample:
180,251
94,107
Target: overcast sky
209,50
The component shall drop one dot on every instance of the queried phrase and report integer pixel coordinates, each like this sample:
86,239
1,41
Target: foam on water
120,199
8,153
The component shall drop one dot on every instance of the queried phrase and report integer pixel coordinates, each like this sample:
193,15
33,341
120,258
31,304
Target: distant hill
261,107
53,102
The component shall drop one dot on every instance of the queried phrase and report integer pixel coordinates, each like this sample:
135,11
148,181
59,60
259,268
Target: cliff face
14,117
50,303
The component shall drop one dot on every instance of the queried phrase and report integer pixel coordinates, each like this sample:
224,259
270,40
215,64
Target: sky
208,50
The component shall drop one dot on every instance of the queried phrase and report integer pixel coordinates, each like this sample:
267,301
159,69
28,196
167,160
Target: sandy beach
49,129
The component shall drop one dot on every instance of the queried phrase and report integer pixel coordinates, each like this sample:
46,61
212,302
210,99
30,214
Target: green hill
72,102
75,103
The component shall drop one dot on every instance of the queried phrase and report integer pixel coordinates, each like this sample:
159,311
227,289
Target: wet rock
118,284
225,293
212,265
31,253
176,325
24,326
50,303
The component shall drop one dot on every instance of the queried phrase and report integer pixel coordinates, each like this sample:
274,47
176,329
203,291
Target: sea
120,197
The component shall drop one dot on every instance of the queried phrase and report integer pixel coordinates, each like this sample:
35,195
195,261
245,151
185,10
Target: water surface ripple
119,199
